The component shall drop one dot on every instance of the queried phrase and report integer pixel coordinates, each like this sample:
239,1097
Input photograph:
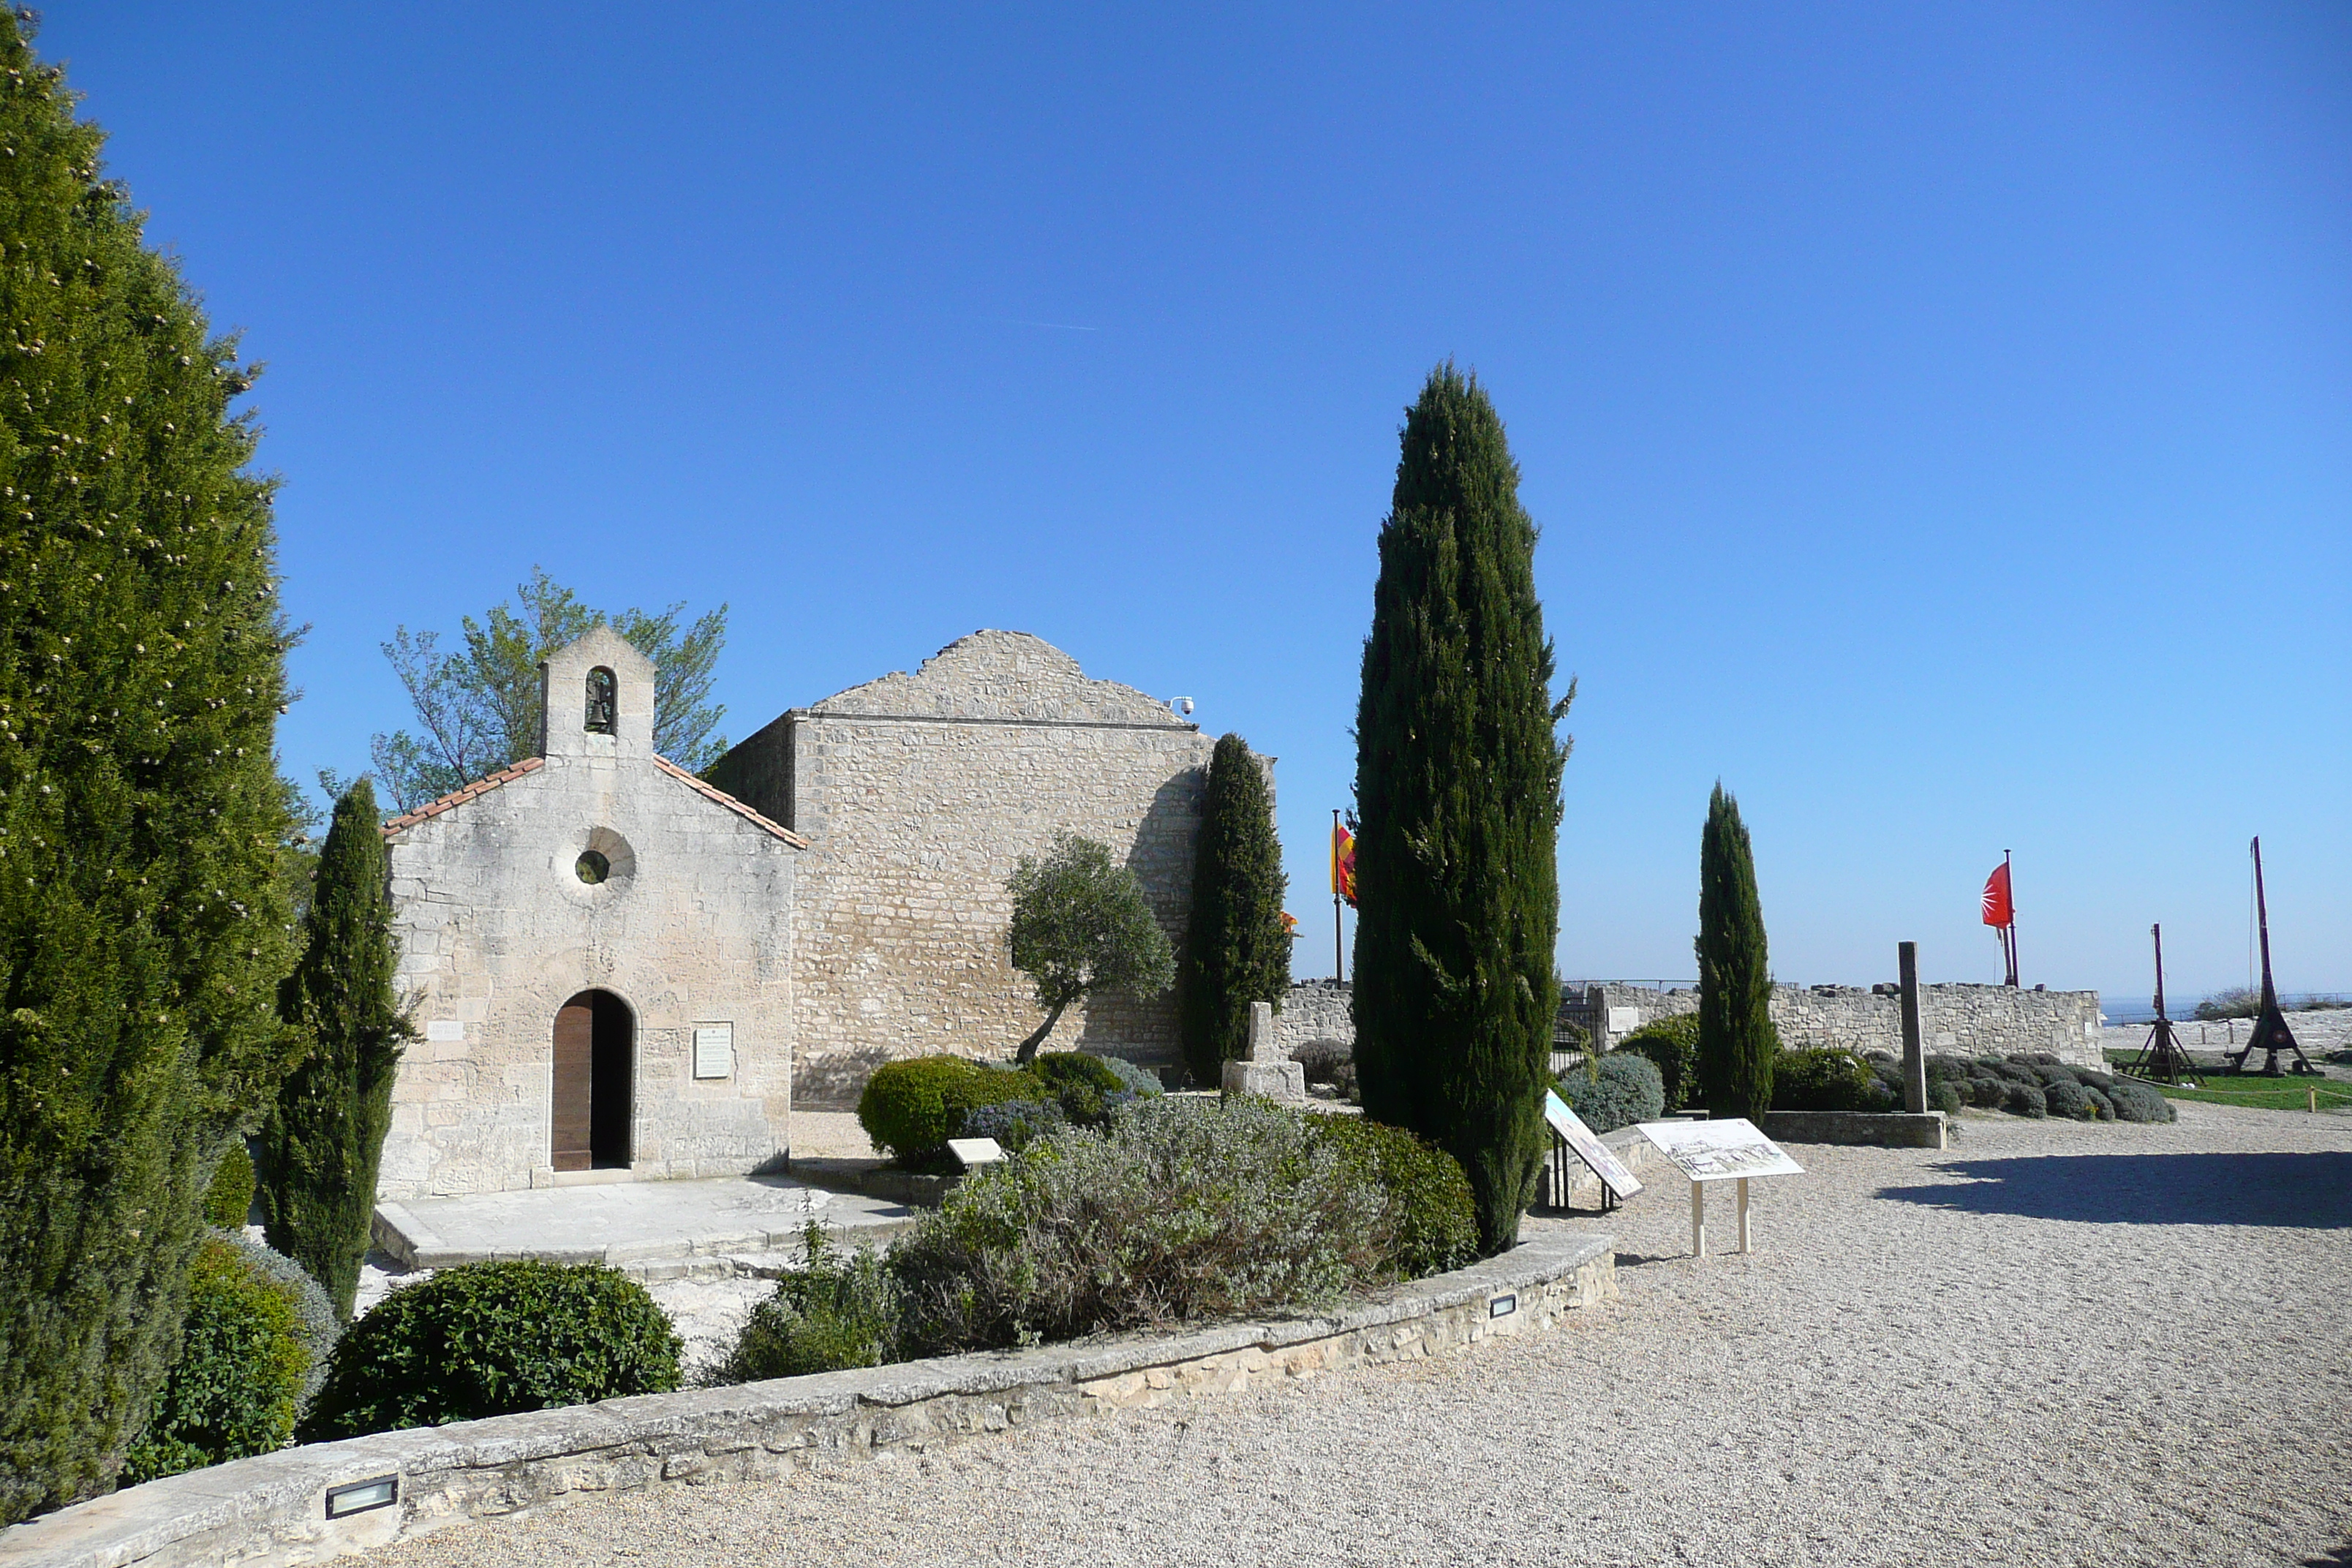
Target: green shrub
1013,1123
1825,1079
2066,1098
2053,1075
1135,1080
1672,1045
1988,1092
2025,1100
1616,1090
1944,1095
1181,1209
1082,1085
836,1311
1941,1067
2102,1108
2090,1079
2136,1102
234,1390
1430,1215
489,1338
229,1199
317,1324
911,1108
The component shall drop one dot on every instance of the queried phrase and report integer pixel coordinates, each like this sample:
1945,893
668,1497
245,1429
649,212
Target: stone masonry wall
1974,1020
1968,1020
497,931
919,794
1315,1010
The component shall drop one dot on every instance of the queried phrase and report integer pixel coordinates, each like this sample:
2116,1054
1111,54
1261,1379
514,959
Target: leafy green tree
324,1142
1457,783
1737,1042
143,927
1080,925
1236,951
477,707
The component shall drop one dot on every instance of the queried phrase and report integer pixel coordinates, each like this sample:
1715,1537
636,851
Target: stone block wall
1968,1020
1315,1010
1972,1020
918,795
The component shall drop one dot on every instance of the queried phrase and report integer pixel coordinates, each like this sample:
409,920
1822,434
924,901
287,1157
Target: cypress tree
143,927
1236,951
1458,784
1737,1042
325,1141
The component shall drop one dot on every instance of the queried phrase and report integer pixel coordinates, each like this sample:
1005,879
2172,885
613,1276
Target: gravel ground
2058,1343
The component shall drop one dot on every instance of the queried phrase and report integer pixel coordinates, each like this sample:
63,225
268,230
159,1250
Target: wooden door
576,1070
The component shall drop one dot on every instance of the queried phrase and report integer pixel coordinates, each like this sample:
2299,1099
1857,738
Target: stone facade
1966,1020
690,929
918,795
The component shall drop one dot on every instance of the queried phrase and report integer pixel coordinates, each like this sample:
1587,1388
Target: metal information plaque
714,1050
1589,1147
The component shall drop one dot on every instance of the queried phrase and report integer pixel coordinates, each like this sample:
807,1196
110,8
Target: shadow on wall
2302,1192
1143,1028
835,1081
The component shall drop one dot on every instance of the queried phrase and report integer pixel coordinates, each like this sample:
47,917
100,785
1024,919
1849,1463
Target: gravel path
2056,1343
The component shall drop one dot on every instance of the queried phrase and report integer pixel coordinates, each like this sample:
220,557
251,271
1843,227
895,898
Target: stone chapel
621,972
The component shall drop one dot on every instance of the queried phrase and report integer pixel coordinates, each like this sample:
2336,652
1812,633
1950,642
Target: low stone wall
1965,1020
1315,1010
272,1510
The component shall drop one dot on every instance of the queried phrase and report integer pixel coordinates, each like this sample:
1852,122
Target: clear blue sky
1940,417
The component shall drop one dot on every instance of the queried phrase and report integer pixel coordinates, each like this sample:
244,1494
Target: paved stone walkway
2055,1343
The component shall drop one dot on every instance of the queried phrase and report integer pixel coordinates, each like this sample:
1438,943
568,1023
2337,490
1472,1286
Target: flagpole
2011,881
1338,963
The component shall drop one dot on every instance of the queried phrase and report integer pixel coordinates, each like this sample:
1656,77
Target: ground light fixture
358,1497
1502,1306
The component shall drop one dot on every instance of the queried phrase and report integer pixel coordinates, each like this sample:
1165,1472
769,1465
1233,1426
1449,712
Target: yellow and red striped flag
1343,864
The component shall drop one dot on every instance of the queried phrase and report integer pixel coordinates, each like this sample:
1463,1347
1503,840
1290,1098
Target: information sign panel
1720,1151
714,1050
1602,1161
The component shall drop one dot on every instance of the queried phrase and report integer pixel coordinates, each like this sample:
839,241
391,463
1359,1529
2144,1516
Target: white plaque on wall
445,1029
1624,1020
714,1050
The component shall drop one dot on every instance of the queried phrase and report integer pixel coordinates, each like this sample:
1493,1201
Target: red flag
1343,863
1997,910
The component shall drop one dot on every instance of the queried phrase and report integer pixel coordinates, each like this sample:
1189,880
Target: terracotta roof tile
457,798
731,803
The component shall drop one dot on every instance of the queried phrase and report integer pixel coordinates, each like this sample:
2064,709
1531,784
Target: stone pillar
1915,1058
1265,1070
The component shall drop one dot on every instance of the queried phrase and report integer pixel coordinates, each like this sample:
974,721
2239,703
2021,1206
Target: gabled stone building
917,796
598,947
622,972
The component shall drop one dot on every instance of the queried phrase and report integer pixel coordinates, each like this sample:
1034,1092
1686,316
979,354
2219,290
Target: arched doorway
595,1054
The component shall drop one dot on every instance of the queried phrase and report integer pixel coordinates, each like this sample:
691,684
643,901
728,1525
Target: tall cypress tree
325,1141
1236,951
144,928
1737,1041
1457,784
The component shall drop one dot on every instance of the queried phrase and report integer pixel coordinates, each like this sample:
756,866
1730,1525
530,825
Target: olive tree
1081,925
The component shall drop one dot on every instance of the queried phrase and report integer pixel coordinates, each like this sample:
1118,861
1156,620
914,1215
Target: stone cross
1262,1045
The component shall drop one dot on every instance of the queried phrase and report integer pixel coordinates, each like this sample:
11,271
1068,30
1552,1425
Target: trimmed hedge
1672,1044
911,1108
1430,1210
1013,1123
1825,1079
1615,1090
316,1322
234,1389
491,1339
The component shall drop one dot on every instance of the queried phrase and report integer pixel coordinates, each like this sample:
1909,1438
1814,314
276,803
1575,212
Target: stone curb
272,1510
